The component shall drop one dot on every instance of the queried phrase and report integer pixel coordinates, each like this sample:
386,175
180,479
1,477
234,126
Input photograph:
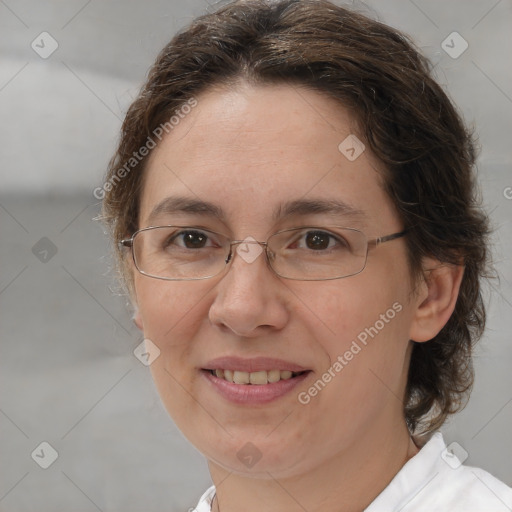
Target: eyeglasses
307,253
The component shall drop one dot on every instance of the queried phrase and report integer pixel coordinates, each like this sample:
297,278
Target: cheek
171,314
168,308
366,322
349,307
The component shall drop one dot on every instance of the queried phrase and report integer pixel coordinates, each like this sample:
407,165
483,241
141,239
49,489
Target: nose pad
270,256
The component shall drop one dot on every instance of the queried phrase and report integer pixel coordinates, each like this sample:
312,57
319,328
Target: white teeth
257,378
273,375
240,377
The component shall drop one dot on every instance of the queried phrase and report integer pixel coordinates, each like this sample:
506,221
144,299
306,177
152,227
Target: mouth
258,378
253,381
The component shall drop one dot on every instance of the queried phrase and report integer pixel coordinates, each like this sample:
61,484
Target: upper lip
254,364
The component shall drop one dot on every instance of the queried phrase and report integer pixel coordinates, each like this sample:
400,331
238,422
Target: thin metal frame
370,244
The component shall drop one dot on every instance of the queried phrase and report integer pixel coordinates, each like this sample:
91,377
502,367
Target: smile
256,378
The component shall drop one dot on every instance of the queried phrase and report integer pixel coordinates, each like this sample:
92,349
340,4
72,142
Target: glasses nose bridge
232,243
246,241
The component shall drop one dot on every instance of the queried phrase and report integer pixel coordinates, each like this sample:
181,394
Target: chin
260,457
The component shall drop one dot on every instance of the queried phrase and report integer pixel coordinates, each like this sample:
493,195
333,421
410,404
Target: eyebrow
178,204
298,207
334,207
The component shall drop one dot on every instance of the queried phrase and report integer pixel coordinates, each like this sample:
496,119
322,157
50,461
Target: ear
137,319
435,298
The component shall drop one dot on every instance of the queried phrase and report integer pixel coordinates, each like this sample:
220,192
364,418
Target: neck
348,481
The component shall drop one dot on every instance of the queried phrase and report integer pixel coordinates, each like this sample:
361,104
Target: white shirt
433,480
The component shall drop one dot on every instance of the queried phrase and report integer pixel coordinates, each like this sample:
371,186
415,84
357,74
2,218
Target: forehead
253,149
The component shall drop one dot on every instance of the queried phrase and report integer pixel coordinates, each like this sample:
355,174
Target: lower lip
253,393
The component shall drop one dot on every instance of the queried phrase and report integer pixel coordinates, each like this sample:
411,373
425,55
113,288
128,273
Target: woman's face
263,157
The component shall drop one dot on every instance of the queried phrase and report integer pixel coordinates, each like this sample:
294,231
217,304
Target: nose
250,299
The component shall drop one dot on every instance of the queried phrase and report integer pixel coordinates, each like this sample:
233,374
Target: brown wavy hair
403,116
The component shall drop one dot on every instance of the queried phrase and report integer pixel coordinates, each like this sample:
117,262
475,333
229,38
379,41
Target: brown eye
317,240
194,239
190,239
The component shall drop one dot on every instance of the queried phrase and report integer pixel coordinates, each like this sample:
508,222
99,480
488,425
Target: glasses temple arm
380,240
127,242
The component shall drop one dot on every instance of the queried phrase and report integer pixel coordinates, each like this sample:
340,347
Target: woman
293,204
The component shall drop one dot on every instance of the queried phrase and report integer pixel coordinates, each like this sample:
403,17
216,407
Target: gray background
68,375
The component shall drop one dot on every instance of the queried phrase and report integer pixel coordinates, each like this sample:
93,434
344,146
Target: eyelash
300,237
